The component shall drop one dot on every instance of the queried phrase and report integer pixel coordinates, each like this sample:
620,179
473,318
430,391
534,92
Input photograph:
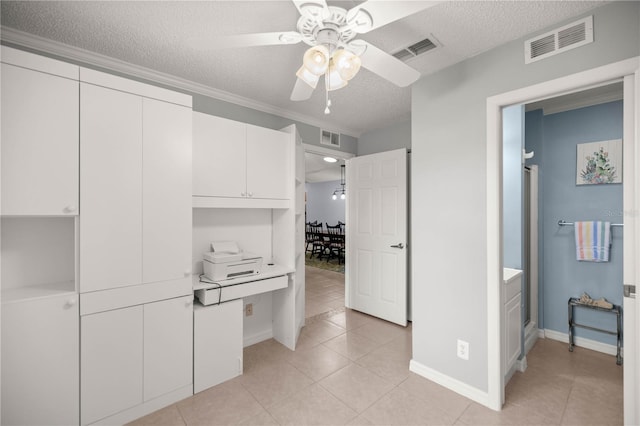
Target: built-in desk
218,323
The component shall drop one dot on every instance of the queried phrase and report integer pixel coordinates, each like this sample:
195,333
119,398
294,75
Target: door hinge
630,291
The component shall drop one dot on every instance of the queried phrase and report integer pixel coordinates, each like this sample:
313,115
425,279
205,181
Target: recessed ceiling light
330,159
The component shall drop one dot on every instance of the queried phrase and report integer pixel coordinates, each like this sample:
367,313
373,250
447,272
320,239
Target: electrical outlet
463,350
248,310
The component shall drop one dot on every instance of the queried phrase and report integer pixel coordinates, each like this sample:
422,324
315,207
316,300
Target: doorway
324,266
555,132
629,71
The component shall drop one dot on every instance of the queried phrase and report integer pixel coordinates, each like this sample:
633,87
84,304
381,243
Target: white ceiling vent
559,40
409,52
330,138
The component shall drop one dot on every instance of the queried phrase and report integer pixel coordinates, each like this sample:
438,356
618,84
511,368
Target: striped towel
593,240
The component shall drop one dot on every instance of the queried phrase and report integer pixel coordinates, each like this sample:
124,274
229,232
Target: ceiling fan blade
301,91
385,12
256,39
386,66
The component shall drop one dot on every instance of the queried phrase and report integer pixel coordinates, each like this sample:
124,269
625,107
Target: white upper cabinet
166,193
110,189
268,163
39,135
219,156
235,160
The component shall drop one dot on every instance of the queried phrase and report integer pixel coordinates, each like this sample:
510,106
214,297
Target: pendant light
341,192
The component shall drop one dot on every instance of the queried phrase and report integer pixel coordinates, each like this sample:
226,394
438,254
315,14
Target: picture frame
599,163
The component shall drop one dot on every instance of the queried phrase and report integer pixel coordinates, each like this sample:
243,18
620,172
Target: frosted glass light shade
346,63
316,59
335,81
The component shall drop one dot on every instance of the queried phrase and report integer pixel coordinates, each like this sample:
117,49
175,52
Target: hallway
324,292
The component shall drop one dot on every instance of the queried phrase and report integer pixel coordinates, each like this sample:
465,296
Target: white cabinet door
166,209
513,324
40,366
268,163
217,351
39,143
110,188
112,358
219,157
168,346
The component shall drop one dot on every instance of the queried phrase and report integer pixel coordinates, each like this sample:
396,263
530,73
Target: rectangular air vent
329,138
559,40
410,52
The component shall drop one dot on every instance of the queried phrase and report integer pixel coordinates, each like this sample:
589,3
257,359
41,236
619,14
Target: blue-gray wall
449,186
563,276
320,206
392,137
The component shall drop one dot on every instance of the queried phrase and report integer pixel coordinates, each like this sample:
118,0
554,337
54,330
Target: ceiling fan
334,53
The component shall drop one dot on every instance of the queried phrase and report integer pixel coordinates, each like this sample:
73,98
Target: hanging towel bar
564,223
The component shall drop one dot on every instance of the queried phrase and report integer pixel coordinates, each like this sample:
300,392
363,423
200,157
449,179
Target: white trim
23,59
531,335
582,342
462,388
147,407
495,104
111,81
72,53
521,364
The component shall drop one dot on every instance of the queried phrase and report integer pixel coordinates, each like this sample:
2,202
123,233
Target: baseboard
450,383
257,338
530,337
521,364
582,342
148,407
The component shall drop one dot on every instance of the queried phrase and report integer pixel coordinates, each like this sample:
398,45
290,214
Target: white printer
228,261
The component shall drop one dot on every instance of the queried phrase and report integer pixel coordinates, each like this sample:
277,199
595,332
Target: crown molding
25,40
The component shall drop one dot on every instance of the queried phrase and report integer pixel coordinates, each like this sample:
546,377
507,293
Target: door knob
399,245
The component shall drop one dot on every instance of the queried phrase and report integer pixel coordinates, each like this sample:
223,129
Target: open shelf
38,291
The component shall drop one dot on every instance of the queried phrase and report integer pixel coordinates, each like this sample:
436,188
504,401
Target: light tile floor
350,368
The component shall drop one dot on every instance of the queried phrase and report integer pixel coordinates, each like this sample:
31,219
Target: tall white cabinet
40,323
135,248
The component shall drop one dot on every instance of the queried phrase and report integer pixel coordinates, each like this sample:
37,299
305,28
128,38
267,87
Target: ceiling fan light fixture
335,80
305,75
316,59
347,64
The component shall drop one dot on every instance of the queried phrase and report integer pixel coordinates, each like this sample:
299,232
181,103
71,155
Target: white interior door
376,261
631,239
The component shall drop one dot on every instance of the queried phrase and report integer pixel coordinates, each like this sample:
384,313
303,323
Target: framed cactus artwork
599,162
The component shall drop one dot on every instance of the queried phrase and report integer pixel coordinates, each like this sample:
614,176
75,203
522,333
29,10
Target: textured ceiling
174,37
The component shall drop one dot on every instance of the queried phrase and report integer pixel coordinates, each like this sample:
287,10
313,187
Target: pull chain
326,88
